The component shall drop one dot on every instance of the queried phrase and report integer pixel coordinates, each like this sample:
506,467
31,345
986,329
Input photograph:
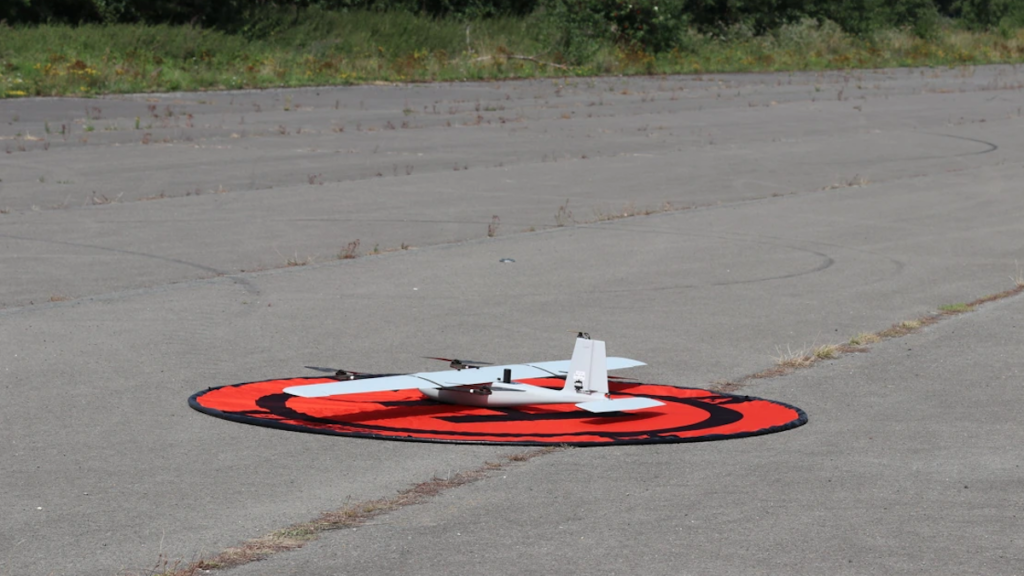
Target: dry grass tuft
296,261
1018,278
350,251
864,338
856,182
794,359
788,361
999,296
900,329
563,217
826,352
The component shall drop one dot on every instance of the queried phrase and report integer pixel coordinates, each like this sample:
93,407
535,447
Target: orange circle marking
689,415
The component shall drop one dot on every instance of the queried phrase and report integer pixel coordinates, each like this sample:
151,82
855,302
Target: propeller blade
455,362
321,369
334,371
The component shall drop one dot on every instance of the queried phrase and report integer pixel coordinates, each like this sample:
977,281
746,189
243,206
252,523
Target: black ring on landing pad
689,415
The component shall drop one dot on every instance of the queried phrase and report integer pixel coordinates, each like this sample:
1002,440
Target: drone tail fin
588,369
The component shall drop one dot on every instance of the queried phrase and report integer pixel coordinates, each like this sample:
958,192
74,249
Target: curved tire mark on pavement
992,147
245,283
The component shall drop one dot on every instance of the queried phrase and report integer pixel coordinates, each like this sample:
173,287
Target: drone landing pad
689,415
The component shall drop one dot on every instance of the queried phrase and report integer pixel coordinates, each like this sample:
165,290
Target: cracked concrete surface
788,210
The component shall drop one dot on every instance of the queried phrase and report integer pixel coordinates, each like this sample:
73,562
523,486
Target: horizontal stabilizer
619,404
561,367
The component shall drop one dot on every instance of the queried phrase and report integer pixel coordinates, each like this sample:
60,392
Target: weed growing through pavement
791,360
958,308
865,338
826,352
856,182
100,199
563,217
350,251
905,327
165,566
630,210
296,261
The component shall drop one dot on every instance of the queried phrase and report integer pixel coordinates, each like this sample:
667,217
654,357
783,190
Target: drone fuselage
507,395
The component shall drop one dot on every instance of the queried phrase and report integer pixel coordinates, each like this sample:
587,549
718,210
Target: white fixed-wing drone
586,383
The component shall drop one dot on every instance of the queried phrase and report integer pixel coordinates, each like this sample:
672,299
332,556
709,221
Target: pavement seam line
789,361
358,514
351,515
563,219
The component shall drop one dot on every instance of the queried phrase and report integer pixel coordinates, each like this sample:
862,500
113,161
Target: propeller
342,374
459,364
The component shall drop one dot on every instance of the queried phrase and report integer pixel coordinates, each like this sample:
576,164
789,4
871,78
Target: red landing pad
689,415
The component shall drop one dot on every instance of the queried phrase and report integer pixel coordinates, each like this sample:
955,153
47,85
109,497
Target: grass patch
856,182
790,360
328,48
794,359
998,296
905,327
864,338
826,352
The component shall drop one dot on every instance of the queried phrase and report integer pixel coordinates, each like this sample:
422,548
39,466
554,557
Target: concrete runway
154,245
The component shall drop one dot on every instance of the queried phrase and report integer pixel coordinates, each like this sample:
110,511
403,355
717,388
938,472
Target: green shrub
1005,15
237,14
865,17
809,34
732,18
580,27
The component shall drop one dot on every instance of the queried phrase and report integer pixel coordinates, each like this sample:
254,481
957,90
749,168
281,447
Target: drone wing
362,386
446,378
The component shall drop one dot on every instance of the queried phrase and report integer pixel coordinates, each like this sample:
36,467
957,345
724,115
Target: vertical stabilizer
588,373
